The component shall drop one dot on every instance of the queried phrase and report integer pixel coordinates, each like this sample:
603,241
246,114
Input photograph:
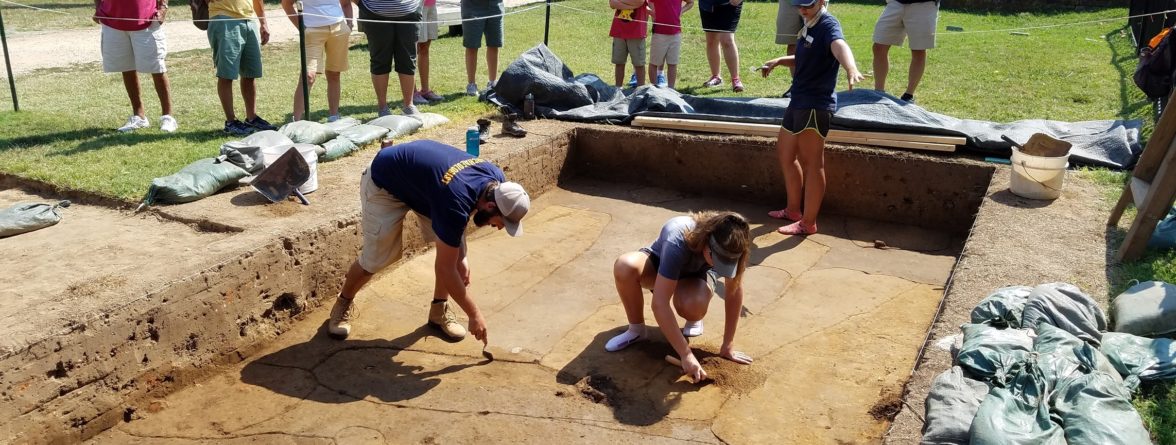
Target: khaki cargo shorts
383,225
914,20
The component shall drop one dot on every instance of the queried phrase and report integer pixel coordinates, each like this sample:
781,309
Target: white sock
635,333
692,328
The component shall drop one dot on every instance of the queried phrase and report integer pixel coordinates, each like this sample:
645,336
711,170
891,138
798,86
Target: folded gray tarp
559,94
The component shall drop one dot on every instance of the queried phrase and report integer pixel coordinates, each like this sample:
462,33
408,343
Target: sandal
737,85
798,228
785,214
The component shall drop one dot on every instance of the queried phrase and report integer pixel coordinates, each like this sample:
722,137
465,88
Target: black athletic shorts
797,120
723,18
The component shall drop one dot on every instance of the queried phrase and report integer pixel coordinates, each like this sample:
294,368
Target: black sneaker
787,93
238,128
260,124
908,97
483,130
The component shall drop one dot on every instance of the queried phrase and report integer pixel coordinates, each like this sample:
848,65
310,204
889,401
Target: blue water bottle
472,142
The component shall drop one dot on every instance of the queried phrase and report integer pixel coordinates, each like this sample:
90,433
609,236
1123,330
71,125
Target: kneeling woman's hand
728,352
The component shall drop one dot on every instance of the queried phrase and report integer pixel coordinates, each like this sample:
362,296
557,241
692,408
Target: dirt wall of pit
70,387
910,188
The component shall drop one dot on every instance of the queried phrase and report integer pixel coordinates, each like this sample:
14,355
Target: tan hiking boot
344,311
443,318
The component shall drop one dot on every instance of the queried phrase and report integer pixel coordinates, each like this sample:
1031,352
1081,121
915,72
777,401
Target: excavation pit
835,321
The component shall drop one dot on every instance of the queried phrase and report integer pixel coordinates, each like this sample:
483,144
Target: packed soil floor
832,322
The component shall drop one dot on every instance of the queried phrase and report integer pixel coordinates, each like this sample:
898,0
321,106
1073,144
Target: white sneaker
491,84
692,329
623,340
168,124
472,89
134,123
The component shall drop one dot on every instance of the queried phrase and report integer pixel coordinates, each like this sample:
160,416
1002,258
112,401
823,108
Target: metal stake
547,23
302,54
8,65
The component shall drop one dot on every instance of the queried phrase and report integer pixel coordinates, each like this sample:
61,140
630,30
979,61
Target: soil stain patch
887,406
732,377
598,388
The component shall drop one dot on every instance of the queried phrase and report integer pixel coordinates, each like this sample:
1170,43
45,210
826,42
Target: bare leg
671,75
224,91
730,53
298,93
793,177
881,66
131,83
811,154
640,71
492,62
712,52
334,91
692,298
633,273
355,280
163,90
918,65
423,64
407,86
380,83
652,73
249,95
619,74
471,63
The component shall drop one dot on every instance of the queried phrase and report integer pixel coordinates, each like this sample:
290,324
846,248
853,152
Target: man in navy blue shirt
445,187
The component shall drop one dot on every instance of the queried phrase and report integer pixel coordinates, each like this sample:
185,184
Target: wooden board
895,140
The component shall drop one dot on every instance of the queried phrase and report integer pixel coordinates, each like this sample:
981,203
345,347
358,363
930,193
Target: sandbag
1062,357
993,354
337,148
342,123
1138,358
24,217
430,120
1065,306
363,134
1017,415
1095,409
1003,307
307,132
397,125
951,405
195,181
1164,236
247,153
1147,309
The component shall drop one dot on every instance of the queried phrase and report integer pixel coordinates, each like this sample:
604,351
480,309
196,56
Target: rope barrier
274,16
609,15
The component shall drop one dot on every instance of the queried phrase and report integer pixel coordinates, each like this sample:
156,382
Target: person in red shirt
629,26
133,42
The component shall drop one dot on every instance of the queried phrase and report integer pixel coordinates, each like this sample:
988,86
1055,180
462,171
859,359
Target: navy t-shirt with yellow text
436,180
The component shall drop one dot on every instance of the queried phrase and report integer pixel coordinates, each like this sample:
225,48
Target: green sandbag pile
337,148
1058,388
24,217
397,126
195,181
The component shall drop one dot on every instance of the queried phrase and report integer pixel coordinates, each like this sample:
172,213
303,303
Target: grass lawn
1068,73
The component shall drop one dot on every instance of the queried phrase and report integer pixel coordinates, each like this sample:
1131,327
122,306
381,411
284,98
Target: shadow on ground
355,369
636,383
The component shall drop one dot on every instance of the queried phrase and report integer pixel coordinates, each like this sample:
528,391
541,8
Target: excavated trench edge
71,387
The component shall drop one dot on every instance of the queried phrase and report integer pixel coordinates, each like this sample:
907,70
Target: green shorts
236,47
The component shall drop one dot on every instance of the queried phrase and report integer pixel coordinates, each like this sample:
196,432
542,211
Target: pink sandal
785,214
798,228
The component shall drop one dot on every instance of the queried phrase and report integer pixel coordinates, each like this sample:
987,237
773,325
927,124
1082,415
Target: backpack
1154,73
199,13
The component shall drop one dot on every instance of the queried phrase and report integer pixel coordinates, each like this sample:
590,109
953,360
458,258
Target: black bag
1154,73
199,13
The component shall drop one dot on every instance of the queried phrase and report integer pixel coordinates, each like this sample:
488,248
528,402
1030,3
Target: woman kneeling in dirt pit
680,267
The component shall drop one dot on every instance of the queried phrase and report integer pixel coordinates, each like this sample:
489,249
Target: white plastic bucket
1037,177
271,154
